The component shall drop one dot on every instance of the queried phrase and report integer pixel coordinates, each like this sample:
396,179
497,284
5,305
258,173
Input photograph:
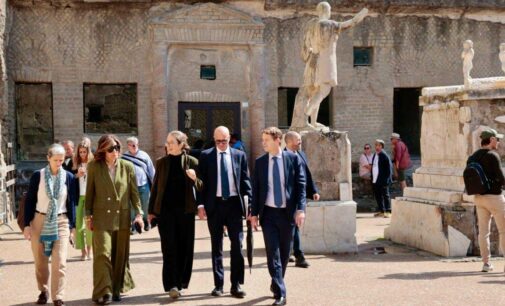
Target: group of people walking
102,195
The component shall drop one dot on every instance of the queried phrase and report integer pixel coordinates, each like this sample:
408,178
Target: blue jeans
144,194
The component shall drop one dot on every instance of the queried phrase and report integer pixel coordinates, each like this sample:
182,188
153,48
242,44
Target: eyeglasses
221,141
367,148
116,147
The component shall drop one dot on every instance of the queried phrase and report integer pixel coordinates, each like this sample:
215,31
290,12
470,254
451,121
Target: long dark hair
104,143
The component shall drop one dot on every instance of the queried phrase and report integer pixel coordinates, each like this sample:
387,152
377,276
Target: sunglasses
367,148
222,141
116,147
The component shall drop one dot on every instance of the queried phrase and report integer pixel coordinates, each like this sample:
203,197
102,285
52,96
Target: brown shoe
43,296
378,215
58,303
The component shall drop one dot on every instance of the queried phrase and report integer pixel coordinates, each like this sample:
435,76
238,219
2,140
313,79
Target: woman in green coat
111,192
173,204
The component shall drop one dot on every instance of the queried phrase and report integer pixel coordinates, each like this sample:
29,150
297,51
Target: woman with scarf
83,237
49,218
173,204
111,192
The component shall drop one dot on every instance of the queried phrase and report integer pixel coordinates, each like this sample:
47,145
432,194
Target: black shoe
42,299
147,227
217,292
104,300
280,301
301,262
237,292
116,298
58,303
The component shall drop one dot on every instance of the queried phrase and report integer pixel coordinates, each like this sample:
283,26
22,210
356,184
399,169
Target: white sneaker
487,267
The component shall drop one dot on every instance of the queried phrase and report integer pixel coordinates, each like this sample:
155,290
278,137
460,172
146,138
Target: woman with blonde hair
173,204
49,223
83,239
111,193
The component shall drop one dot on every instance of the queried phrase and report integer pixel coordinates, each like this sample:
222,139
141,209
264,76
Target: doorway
198,120
407,118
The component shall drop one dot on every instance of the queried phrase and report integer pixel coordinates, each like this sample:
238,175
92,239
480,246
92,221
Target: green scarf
49,233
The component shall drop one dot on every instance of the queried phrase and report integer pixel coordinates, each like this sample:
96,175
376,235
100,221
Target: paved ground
402,276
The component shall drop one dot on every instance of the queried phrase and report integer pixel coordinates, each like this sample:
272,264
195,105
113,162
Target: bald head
222,137
293,141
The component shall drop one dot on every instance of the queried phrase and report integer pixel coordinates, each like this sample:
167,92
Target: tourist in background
381,179
49,223
83,239
365,163
401,159
144,173
69,155
492,203
111,193
173,204
294,144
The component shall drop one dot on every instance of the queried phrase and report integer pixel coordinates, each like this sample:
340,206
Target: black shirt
174,199
490,162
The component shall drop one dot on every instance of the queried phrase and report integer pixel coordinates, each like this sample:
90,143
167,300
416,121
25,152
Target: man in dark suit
294,144
279,202
226,182
69,154
381,179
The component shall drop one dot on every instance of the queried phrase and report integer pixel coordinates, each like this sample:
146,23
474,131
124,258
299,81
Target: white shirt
43,199
231,180
270,195
364,160
375,167
82,181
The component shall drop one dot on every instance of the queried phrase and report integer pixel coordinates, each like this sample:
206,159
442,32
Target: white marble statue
467,56
502,56
319,54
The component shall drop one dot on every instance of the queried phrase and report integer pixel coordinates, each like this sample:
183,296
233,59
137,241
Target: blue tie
277,183
225,185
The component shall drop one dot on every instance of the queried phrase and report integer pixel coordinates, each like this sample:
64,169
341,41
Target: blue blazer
311,187
385,169
207,167
294,181
33,189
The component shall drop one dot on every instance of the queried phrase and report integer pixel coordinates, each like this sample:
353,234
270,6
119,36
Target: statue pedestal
436,214
330,225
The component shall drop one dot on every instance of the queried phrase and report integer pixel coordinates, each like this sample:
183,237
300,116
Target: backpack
476,181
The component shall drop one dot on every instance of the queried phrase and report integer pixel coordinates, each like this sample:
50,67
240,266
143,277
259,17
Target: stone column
159,81
259,85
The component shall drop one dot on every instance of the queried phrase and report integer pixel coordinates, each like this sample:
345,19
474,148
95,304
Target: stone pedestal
330,225
436,215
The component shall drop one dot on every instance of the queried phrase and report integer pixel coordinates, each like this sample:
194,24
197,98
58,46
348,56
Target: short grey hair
55,149
132,139
69,142
291,135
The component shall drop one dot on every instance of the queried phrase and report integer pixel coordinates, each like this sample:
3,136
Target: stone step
437,181
432,195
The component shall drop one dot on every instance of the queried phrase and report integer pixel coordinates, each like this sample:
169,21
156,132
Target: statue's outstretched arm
355,20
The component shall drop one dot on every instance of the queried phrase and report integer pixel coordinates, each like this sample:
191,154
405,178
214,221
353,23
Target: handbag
21,212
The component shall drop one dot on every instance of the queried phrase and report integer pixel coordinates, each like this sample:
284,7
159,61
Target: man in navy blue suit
294,144
381,179
226,182
279,202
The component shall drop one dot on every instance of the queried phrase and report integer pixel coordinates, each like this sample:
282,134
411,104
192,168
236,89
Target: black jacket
311,187
490,162
384,177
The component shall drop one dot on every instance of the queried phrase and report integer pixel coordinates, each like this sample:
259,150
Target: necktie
277,183
225,185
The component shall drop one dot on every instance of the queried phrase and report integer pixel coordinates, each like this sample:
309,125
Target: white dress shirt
375,167
231,180
270,195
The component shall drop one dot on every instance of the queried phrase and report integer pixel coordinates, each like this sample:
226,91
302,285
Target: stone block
433,195
330,227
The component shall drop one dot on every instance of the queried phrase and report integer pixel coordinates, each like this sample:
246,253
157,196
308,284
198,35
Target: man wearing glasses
226,182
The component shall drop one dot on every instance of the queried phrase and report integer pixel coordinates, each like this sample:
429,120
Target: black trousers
278,230
227,213
297,243
381,194
177,235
